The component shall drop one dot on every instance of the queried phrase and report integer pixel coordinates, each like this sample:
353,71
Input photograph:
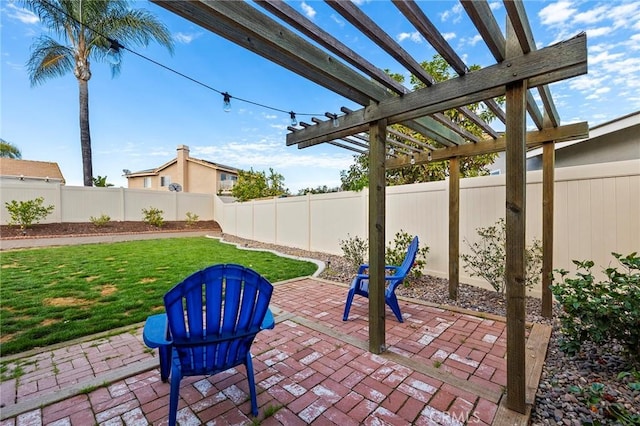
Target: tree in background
9,150
88,29
252,185
323,189
101,181
357,176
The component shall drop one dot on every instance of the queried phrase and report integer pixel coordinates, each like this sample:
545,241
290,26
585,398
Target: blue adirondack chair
212,319
360,284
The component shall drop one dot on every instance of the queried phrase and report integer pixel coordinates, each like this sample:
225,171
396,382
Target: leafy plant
396,251
192,218
101,181
153,216
599,400
100,221
354,250
27,213
601,312
488,257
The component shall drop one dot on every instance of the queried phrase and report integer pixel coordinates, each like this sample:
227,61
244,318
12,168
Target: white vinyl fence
597,211
79,203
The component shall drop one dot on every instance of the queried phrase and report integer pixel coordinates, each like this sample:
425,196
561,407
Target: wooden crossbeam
534,139
553,63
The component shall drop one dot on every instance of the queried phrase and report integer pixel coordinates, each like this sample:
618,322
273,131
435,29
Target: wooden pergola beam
533,139
553,63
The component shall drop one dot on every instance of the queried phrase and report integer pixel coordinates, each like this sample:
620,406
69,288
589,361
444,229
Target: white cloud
597,32
337,20
270,116
309,11
454,12
23,15
449,36
414,37
627,14
184,38
603,57
556,13
591,16
474,40
495,5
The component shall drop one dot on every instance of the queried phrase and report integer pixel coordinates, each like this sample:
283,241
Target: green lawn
56,294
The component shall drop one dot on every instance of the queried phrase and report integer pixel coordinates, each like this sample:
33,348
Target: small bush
488,257
100,221
27,213
396,251
601,312
153,216
192,218
355,251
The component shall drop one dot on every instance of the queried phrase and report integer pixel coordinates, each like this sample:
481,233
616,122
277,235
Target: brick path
441,367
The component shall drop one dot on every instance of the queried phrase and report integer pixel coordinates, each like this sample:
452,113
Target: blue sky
140,117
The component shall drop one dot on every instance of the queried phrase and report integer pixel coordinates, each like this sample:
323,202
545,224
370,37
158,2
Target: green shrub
27,213
488,257
601,312
192,218
396,251
100,221
355,251
153,216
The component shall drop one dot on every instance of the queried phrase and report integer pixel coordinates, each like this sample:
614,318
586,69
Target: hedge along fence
596,212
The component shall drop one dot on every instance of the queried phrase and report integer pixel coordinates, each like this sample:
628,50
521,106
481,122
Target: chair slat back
406,265
214,315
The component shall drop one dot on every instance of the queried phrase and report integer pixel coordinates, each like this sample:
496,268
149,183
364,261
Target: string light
294,122
413,160
114,55
391,151
226,102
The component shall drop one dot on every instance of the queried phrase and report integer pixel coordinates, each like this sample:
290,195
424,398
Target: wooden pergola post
377,190
548,194
515,130
454,227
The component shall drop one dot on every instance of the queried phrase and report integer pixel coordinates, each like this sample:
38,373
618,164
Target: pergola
519,68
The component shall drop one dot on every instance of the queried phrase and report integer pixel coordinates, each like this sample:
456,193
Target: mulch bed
45,230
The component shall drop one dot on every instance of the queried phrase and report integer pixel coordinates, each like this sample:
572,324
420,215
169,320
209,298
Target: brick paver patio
442,366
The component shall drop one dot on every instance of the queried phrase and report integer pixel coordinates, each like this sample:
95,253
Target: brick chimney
183,169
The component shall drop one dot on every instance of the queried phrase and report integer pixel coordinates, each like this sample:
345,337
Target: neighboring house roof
150,172
27,169
614,125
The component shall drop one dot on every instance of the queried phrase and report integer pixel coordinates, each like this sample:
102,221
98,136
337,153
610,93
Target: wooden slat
496,109
377,189
454,227
542,66
537,344
463,132
518,16
409,138
515,270
534,139
244,25
480,14
368,27
414,14
288,14
478,121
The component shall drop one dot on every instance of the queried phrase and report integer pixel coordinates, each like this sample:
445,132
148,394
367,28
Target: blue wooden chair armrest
156,331
268,322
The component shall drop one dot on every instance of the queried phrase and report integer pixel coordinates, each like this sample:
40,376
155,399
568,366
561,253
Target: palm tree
90,28
9,150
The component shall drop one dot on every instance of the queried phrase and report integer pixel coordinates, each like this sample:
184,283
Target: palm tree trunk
85,135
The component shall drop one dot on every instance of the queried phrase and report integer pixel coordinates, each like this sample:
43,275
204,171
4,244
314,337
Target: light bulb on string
335,122
226,103
294,121
391,151
113,54
413,160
